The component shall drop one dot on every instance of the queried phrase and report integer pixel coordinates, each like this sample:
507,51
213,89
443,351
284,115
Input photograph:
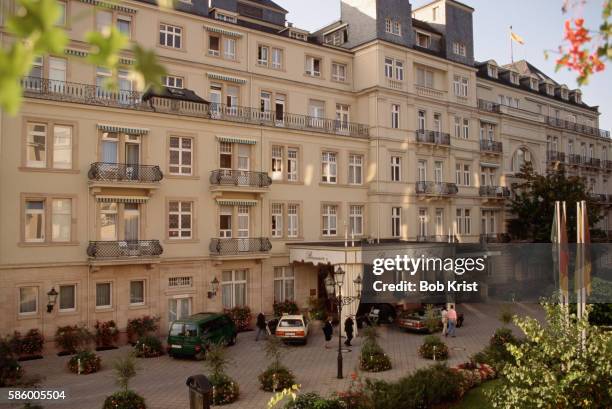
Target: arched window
521,156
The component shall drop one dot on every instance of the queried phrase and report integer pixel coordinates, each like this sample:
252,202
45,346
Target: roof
424,26
201,316
269,3
182,94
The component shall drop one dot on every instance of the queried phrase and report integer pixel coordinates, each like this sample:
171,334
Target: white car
292,328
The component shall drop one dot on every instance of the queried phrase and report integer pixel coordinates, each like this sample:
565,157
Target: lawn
476,397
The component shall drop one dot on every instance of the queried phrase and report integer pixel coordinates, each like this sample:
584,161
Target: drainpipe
377,172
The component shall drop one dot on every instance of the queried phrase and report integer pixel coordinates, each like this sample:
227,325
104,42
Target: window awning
235,139
123,129
223,77
76,53
122,199
222,31
110,5
236,202
489,165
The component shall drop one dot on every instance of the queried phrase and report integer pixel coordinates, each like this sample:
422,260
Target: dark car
191,336
373,314
416,320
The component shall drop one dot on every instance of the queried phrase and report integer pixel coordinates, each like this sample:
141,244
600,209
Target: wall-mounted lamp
52,299
214,287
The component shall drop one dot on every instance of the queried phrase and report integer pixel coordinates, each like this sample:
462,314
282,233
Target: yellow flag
517,38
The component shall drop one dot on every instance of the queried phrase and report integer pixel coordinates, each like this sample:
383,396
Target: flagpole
511,47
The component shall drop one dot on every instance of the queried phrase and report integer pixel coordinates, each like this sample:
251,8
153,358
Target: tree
33,25
553,368
534,199
124,369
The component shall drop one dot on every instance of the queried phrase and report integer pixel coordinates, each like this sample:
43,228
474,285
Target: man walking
444,321
328,331
261,325
348,329
452,321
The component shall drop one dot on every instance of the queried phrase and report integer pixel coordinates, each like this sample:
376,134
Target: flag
587,249
517,38
583,250
558,237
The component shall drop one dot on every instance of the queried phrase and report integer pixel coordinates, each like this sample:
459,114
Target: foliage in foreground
373,357
276,376
124,400
225,389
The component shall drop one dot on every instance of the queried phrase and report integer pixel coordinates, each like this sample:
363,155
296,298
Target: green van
191,336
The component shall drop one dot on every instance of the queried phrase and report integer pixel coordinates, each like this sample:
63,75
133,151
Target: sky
539,22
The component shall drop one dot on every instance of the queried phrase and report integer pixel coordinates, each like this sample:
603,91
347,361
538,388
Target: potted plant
225,389
148,347
285,307
373,357
84,363
107,335
433,348
241,316
28,346
139,327
71,338
276,377
124,369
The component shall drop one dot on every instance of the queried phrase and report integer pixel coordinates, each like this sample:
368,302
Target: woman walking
348,329
328,330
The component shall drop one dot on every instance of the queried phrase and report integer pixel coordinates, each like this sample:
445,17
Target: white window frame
329,167
277,58
180,214
281,275
277,162
396,168
329,219
233,283
144,292
339,71
20,301
110,290
170,35
395,116
310,66
293,220
356,220
396,222
37,212
355,169
181,153
459,49
54,214
276,219
293,156
173,81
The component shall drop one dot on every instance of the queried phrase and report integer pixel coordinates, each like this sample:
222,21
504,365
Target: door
279,110
243,152
439,222
265,106
109,169
243,228
57,74
438,172
131,227
178,309
132,160
215,100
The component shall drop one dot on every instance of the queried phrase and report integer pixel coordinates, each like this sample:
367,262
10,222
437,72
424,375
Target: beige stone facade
307,142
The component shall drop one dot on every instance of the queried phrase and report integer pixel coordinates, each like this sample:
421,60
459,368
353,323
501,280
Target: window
316,111
284,284
180,282
389,67
214,45
108,221
277,58
337,38
339,72
393,27
396,221
28,300
329,167
57,73
170,36
277,162
103,295
421,170
395,116
355,220
394,69
62,147
355,176
67,298
534,84
229,48
492,71
460,86
422,222
263,55
330,220
464,221
293,225
421,120
124,25
437,122
172,81
396,169
439,222
550,89
61,220
458,173
521,156
425,78
61,20
277,220
313,66
233,288
225,222
342,117
137,292
435,12
225,17
180,220
298,36
466,128
438,166
514,78
34,221
466,175
104,21
457,121
459,49
36,153
422,39
292,164
181,156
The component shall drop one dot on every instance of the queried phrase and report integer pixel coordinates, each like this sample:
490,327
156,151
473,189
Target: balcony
63,91
575,127
592,163
601,198
441,238
606,165
239,180
123,173
555,156
432,137
429,92
574,159
255,247
488,106
492,147
439,189
395,84
130,251
494,192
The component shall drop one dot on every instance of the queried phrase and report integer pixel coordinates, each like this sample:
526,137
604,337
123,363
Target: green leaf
106,47
148,67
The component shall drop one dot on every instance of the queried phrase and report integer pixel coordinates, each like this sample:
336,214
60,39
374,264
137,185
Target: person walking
444,321
261,325
328,331
452,321
348,329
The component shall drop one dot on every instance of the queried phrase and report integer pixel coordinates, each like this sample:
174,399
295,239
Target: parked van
191,336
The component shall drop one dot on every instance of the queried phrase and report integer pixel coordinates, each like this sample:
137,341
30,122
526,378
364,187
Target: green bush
10,370
70,339
225,389
124,400
139,327
30,344
285,307
148,347
241,316
316,308
107,334
84,362
314,401
373,357
496,354
433,348
276,379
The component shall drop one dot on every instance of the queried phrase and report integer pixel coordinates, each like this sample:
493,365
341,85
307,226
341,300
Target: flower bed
28,346
433,348
107,335
241,316
473,374
85,362
276,378
124,400
71,338
225,390
139,327
148,347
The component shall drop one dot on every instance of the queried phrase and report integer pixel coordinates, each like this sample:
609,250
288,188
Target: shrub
285,307
148,347
316,308
139,327
355,397
72,338
373,357
496,354
241,316
276,379
85,362
433,348
107,334
225,389
10,370
31,344
124,400
314,401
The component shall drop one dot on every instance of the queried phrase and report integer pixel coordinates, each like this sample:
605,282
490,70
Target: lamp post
52,299
331,285
213,288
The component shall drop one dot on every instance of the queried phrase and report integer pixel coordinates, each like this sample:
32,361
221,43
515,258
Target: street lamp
52,299
331,284
214,287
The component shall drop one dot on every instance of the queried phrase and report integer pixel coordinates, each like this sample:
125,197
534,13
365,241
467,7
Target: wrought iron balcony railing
121,172
124,249
555,156
592,162
436,188
440,238
93,95
491,146
606,164
488,106
433,137
229,177
234,247
574,159
494,191
573,126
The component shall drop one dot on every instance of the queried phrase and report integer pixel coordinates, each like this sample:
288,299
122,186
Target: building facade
269,156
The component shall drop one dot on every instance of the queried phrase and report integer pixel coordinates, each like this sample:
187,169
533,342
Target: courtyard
162,380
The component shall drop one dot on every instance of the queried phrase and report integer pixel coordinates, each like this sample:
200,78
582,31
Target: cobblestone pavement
162,380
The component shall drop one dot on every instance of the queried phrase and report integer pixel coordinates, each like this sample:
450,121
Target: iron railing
121,172
573,126
63,91
574,159
488,106
592,162
124,249
229,177
555,156
606,164
433,137
494,191
436,188
233,247
491,146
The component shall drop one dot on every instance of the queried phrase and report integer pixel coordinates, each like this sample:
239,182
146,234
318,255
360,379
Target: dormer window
492,71
393,27
578,97
459,49
550,89
514,78
226,17
337,38
297,35
564,93
422,39
534,84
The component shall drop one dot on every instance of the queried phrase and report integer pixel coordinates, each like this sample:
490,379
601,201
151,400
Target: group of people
328,331
449,321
